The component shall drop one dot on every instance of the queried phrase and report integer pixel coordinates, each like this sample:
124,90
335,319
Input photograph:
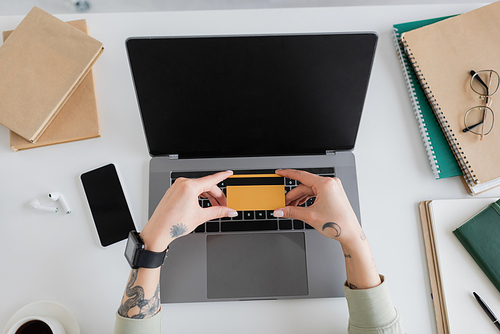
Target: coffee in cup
34,327
37,325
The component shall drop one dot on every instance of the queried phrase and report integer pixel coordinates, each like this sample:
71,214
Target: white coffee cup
54,325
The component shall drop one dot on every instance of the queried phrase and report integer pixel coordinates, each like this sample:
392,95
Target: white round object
46,308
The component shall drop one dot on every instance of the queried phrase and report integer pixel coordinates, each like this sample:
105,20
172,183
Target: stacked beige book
442,55
47,93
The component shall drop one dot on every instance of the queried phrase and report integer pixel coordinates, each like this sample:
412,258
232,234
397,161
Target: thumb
293,212
214,212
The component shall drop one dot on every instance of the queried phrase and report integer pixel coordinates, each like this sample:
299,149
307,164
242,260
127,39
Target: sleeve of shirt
138,326
371,311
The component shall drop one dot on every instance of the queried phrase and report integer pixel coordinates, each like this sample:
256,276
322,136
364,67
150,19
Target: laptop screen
235,96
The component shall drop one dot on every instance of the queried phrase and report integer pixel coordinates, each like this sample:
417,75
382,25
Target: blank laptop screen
251,95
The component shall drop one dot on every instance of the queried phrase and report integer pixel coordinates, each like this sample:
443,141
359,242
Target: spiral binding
431,155
466,168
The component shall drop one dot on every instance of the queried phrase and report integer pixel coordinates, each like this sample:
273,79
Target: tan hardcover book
78,118
41,64
443,54
434,271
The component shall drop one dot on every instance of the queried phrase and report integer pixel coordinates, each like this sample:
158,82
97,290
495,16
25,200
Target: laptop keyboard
261,220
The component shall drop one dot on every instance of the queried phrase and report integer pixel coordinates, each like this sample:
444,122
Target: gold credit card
255,192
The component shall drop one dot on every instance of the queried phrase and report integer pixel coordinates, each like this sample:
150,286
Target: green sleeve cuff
371,310
138,326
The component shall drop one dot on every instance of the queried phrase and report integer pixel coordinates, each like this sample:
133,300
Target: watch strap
148,259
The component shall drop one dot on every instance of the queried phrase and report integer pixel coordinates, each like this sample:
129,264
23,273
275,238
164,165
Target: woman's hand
331,214
179,211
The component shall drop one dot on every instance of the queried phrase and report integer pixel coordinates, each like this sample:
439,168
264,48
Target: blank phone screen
108,205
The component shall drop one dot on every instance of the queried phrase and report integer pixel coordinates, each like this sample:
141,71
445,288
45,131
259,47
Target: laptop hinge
173,156
330,152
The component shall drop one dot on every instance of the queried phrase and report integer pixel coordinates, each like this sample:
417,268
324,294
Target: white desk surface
57,257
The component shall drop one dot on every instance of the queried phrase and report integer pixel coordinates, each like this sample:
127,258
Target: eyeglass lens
485,83
479,120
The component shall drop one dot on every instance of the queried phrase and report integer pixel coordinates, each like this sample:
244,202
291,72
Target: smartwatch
138,257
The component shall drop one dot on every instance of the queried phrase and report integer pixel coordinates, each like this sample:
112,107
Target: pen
487,310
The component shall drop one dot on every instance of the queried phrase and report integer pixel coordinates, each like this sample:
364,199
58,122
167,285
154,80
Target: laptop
251,104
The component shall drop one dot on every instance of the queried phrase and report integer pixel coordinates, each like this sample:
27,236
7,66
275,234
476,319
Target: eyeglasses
480,120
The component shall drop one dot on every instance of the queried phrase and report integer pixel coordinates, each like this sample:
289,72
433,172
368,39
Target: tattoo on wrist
347,256
178,230
362,236
335,226
352,286
146,307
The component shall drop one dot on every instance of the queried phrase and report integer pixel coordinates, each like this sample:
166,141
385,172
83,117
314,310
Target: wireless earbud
36,205
55,196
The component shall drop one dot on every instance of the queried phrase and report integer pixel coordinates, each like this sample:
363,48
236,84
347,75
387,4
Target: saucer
48,309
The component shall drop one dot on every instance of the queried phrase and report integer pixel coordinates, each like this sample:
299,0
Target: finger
207,182
213,201
298,201
293,212
298,192
217,201
218,212
216,196
304,177
303,200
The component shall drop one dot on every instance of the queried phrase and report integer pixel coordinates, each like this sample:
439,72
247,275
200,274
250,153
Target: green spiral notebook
441,158
480,236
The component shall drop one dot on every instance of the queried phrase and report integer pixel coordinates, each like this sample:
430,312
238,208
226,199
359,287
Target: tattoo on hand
178,230
347,256
147,307
362,236
335,226
352,286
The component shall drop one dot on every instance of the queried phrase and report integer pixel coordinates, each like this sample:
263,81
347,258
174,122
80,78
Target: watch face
132,246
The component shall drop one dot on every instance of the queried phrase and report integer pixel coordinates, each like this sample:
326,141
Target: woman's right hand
331,214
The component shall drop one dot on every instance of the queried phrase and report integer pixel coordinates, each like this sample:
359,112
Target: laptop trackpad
256,265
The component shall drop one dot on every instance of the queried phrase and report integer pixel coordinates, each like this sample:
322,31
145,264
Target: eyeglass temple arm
467,129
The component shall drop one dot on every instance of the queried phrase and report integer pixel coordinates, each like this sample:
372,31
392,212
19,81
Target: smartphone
108,205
